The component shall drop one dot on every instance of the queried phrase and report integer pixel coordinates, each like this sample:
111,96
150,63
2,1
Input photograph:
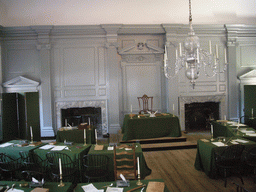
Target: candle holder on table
61,183
139,181
32,141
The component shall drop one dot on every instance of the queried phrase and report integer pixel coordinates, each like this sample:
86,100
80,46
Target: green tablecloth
205,159
76,152
150,127
76,136
110,153
52,186
13,150
227,130
132,185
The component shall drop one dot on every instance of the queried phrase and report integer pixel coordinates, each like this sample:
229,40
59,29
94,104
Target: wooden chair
33,166
144,103
230,159
250,159
9,166
69,168
95,167
125,161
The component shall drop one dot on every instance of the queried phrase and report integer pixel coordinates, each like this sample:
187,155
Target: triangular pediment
21,83
248,77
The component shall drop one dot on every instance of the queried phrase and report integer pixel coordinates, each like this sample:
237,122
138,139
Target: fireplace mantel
87,103
200,99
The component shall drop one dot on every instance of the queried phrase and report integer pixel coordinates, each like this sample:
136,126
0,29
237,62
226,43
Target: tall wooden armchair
144,102
125,161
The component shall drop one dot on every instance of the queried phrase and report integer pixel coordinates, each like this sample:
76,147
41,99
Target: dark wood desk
133,184
229,130
151,127
76,136
205,158
52,186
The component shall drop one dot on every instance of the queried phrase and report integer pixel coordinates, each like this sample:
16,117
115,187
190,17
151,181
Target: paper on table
99,147
246,131
110,148
241,141
58,148
91,188
46,147
251,134
15,190
234,142
219,144
155,186
114,189
6,144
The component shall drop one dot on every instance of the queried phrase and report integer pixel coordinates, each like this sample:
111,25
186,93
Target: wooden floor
176,168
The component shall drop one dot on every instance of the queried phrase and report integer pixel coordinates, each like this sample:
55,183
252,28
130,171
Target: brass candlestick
61,183
131,115
32,139
85,142
139,182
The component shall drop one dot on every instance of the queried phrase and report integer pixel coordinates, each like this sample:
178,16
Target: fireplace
199,115
75,116
80,111
185,100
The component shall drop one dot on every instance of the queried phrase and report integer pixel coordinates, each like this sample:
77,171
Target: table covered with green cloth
229,130
150,127
205,158
14,147
144,169
100,185
76,136
52,186
75,151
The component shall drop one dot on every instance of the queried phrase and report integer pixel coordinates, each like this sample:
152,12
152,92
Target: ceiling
95,12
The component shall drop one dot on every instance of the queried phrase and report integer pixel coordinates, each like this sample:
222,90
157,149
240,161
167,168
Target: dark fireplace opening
199,115
76,116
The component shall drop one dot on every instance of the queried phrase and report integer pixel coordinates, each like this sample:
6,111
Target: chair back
95,167
144,104
125,161
68,165
232,152
251,156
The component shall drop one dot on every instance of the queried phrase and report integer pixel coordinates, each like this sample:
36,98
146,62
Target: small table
110,153
133,184
76,136
75,151
14,149
52,186
151,127
229,130
205,158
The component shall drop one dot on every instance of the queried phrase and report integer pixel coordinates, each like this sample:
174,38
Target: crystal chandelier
192,57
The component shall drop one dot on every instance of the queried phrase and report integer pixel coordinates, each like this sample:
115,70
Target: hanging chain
190,15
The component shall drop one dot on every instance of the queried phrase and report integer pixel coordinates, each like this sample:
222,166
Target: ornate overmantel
200,99
88,103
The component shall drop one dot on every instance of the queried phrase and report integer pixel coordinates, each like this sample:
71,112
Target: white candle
212,129
210,47
66,122
197,55
31,132
96,135
89,121
173,106
252,112
165,53
138,163
225,52
180,49
217,51
176,52
60,166
131,108
225,117
85,134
